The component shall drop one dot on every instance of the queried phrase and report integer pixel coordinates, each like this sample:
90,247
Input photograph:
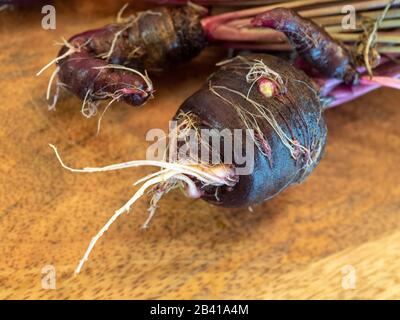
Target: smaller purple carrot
313,44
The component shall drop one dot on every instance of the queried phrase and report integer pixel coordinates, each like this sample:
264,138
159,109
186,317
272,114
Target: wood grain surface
298,245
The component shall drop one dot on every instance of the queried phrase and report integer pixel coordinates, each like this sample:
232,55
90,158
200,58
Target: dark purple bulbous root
297,111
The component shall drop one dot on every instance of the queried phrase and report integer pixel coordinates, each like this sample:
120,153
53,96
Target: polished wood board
297,245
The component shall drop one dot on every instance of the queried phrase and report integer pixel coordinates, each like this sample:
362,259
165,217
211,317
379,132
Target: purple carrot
316,46
111,62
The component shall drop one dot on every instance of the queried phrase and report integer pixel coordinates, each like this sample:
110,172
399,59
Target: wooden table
302,244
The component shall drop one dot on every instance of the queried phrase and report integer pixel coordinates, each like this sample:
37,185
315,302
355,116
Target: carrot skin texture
81,82
298,112
153,40
312,42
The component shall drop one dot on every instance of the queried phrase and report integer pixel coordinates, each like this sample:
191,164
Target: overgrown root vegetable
289,128
111,62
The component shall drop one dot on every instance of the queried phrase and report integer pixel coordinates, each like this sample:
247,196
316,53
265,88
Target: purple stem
342,93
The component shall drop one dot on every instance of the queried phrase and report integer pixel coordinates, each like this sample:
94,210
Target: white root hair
188,124
169,177
144,76
71,50
120,13
52,106
176,180
127,22
224,62
259,70
120,211
209,175
116,97
89,107
249,119
197,7
107,55
373,36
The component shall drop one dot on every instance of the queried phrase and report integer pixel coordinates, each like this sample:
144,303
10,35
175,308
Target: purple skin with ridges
151,40
167,36
298,112
330,57
81,75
